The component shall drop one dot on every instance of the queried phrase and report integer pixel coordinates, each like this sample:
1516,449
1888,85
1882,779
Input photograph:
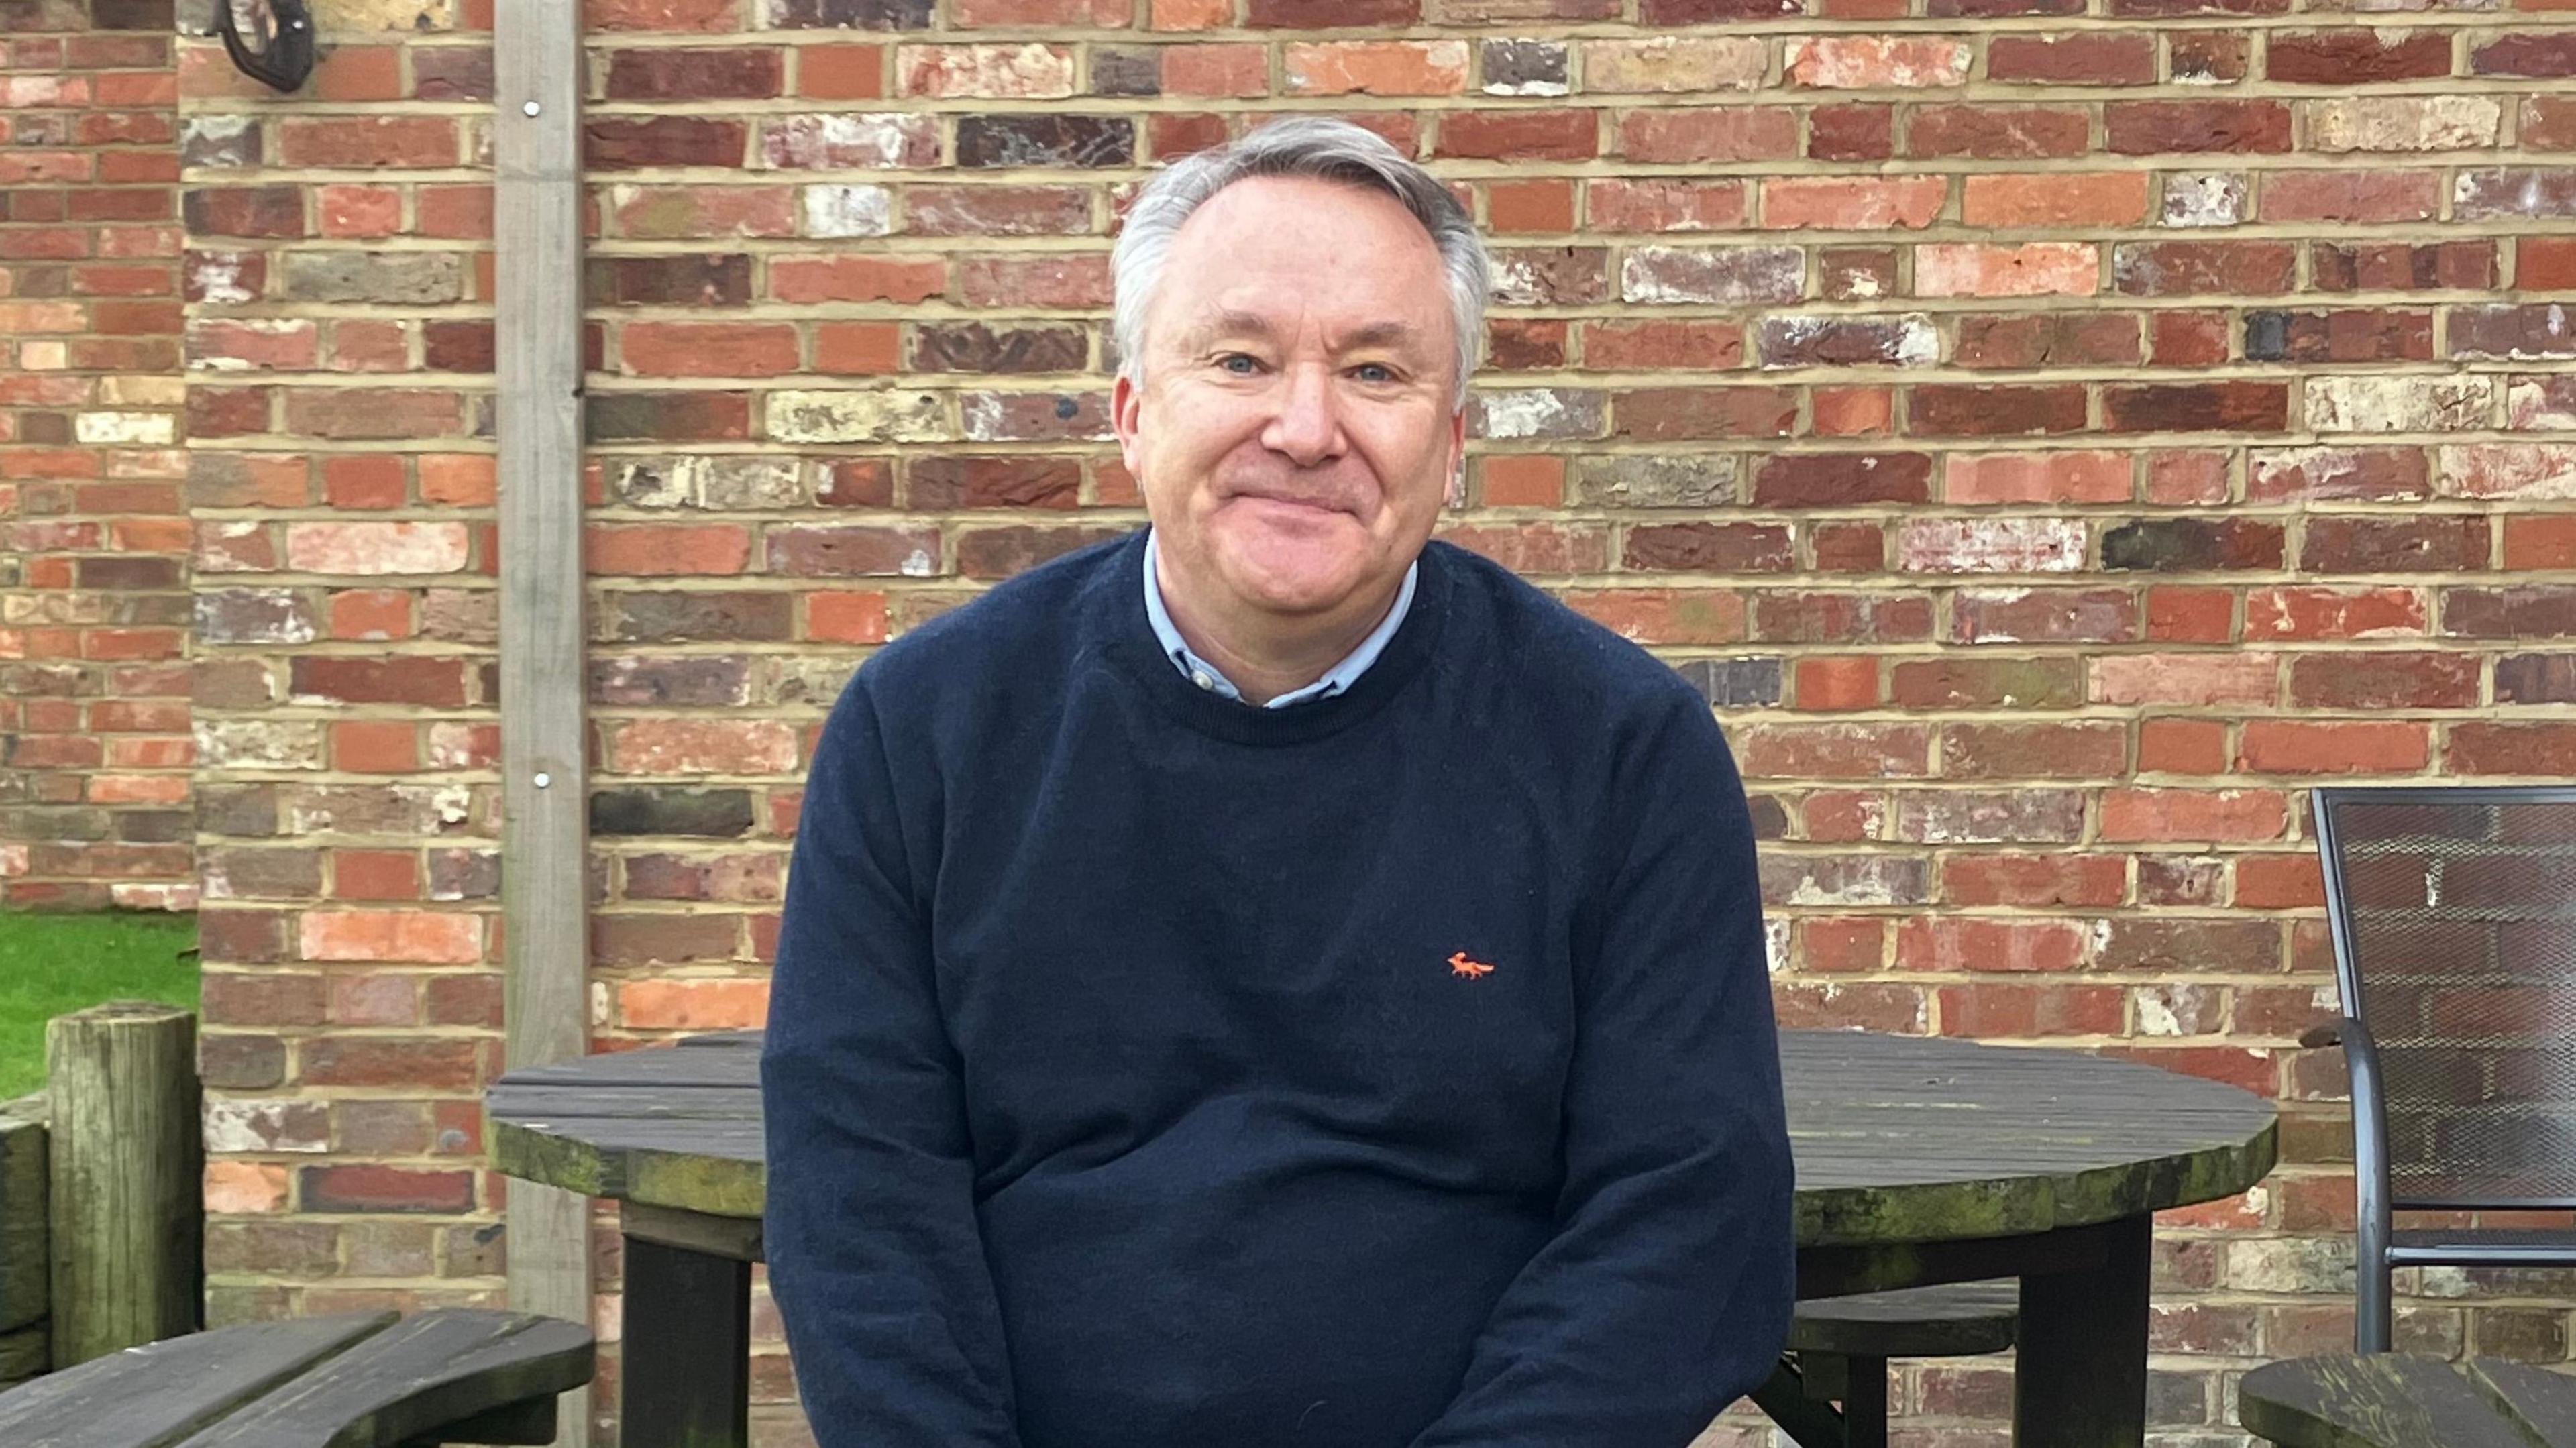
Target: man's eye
1375,372
1238,364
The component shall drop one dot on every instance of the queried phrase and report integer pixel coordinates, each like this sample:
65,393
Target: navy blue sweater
1147,1070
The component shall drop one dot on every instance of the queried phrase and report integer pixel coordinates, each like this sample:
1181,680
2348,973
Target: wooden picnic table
1919,1161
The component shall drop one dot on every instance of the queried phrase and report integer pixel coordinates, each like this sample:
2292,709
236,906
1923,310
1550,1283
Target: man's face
1293,434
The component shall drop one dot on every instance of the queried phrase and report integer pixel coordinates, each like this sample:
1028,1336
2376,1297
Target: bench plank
149,1397
429,1371
2544,1400
2397,1400
1958,1320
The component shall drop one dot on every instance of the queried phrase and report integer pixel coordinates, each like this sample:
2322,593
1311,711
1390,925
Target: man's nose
1306,427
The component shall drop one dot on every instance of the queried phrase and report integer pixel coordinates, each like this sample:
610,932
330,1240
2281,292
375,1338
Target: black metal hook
281,56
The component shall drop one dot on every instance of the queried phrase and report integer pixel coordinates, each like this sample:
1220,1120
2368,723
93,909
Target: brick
2382,679
1810,341
2403,123
2520,332
2512,192
1709,548
1044,140
1030,71
2508,470
1713,274
1524,67
1852,203
1874,62
2095,58
1718,133
2143,128
362,141
1970,269
856,279
840,72
1997,132
374,1188
2298,746
2347,58
686,212
1841,479
1667,414
2200,268
1981,410
684,349
2039,615
844,141
2196,407
2398,404
2540,750
2051,477
2102,199
1984,683
2038,339
1386,68
1674,64
2192,544
2527,53
1990,545
2165,815
845,14
1518,135
1851,133
2312,613
997,211
628,142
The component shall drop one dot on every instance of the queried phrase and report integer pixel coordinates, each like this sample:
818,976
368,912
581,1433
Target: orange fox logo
1460,965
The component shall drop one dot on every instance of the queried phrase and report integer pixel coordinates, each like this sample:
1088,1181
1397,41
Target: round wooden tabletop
1897,1138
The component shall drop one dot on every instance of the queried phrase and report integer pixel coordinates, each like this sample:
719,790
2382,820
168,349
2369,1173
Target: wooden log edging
124,1153
26,1341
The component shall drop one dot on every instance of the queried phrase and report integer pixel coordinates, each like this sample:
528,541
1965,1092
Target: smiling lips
1319,504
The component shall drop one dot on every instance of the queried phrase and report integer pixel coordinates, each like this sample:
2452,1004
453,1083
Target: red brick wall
94,788
2053,440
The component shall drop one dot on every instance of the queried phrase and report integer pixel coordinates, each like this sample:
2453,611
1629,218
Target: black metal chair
2454,918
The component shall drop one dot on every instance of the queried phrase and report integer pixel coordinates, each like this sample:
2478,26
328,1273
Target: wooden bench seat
353,1380
2405,1400
1839,1347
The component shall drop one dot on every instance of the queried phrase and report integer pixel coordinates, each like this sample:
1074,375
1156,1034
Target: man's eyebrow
1236,322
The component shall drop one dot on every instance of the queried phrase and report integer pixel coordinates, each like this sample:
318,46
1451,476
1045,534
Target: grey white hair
1326,149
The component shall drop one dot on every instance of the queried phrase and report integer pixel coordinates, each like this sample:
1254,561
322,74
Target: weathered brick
2138,128
1044,140
1713,274
2403,123
2355,57
1997,132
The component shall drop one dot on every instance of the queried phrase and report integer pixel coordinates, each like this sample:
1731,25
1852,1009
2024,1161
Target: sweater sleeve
875,1257
1665,1293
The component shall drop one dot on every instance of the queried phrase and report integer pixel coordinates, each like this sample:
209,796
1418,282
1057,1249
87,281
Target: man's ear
1126,402
1457,496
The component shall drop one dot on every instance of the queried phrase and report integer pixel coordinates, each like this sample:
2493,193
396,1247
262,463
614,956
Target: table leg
2080,1373
686,1366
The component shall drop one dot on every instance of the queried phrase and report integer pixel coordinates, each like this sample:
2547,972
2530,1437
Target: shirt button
1201,679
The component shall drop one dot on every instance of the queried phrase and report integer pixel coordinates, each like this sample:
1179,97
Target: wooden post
537,261
124,1158
25,1342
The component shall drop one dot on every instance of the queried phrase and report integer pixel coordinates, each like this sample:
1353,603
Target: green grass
52,965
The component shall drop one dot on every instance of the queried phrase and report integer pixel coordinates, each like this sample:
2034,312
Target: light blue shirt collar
1204,674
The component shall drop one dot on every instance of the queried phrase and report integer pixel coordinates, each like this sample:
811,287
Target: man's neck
1267,655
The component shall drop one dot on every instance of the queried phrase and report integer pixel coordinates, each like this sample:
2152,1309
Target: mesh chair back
2454,914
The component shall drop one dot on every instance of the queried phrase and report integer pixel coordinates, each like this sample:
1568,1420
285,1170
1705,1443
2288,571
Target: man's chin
1294,580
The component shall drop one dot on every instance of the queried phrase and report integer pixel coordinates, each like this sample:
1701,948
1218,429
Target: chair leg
1865,1404
2373,1289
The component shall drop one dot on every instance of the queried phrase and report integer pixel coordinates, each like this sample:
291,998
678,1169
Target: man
1271,979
